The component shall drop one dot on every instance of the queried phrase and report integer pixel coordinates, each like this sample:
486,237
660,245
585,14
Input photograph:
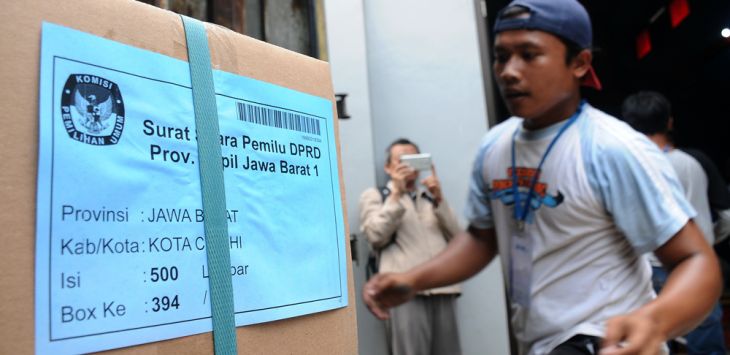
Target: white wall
417,64
426,84
348,60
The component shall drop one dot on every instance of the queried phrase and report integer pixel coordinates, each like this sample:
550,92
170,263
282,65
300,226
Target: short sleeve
478,211
638,186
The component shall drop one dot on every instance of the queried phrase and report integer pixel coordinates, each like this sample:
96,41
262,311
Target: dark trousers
425,325
579,345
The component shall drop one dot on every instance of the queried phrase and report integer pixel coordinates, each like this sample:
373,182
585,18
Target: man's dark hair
399,141
647,112
572,49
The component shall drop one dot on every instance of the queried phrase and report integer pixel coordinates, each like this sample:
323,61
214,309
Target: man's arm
468,253
448,223
692,288
380,219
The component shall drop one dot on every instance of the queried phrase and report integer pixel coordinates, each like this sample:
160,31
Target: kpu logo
92,109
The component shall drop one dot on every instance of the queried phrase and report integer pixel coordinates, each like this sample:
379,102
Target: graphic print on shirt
503,190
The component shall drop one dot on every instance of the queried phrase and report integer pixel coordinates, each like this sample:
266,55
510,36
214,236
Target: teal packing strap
212,188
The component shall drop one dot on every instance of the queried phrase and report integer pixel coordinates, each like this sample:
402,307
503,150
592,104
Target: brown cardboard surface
150,28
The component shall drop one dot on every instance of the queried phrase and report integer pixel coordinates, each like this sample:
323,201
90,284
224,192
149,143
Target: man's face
533,77
395,153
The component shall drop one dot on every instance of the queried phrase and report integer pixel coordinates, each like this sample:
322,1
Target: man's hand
399,177
388,290
632,334
434,186
466,254
685,300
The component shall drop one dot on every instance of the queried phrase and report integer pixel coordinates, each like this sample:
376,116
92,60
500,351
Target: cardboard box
157,30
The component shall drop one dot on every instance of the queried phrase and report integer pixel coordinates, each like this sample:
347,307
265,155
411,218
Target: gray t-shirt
694,181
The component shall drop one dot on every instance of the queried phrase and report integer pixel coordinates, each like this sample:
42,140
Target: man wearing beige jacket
407,226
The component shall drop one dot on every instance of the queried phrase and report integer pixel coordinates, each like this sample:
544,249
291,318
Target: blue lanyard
520,213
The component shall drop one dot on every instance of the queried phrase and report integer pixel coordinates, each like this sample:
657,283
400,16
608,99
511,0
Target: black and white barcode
277,118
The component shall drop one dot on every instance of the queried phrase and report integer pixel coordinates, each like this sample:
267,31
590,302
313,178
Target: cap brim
591,80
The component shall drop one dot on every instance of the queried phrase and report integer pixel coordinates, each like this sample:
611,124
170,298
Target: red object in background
643,44
678,11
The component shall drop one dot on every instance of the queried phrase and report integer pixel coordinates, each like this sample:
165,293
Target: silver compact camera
417,161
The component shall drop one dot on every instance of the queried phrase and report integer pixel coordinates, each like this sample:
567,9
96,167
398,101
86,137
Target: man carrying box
570,198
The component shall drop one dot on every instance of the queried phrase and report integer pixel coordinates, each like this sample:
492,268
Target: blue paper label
121,256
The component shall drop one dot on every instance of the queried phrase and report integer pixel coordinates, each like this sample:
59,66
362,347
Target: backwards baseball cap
565,18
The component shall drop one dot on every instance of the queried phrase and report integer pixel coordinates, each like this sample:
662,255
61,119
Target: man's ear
582,63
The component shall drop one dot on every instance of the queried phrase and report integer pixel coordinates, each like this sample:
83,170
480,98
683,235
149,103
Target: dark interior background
689,64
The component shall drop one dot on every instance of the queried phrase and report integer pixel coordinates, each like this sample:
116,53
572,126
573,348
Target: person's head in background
397,170
650,113
542,55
